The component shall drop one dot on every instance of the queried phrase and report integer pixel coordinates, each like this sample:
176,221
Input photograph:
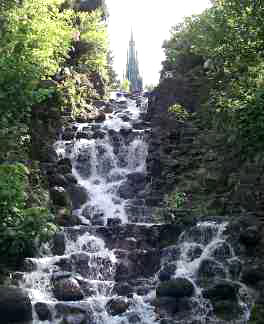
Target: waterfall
110,264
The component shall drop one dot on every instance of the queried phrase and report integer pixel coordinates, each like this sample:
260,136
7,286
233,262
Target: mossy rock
227,310
177,288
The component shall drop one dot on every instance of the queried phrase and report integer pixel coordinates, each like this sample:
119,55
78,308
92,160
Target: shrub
179,111
20,226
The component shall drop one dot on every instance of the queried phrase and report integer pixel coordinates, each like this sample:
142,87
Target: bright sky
151,21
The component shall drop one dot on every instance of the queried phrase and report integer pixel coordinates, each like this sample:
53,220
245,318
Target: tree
125,85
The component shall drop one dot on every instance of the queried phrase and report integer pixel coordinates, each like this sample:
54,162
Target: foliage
35,40
20,225
175,200
225,43
180,113
94,39
149,87
125,85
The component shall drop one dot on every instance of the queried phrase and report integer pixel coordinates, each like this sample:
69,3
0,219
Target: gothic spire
132,69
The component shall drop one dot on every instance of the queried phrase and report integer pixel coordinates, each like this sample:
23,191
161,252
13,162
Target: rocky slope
193,158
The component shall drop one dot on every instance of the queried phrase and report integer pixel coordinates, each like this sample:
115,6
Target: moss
257,315
227,310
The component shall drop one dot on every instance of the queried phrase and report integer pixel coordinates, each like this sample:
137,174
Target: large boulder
15,305
43,311
126,191
59,243
222,290
67,289
117,306
177,288
78,195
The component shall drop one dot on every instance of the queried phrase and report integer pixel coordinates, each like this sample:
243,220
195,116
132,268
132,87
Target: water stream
90,282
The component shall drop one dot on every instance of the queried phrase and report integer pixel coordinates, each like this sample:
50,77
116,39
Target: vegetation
54,59
125,85
180,113
21,226
219,53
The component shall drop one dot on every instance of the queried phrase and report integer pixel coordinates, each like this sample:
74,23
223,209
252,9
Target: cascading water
109,266
203,256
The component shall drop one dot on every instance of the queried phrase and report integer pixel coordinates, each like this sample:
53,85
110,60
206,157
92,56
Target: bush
180,112
35,40
20,226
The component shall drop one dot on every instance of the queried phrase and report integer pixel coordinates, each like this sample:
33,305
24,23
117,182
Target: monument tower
132,68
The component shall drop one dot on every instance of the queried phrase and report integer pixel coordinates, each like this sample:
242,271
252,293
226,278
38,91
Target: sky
151,21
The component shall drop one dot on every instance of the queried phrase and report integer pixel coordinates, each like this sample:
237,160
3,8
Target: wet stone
167,272
78,195
210,269
177,288
59,244
123,289
114,221
43,312
117,306
15,305
67,289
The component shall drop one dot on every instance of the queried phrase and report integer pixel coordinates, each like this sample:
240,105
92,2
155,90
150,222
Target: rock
108,109
64,217
68,134
59,243
223,290
170,253
15,305
123,289
67,289
84,135
125,191
93,213
99,134
70,178
50,155
114,222
210,269
134,318
29,265
227,310
97,116
78,195
57,180
74,314
136,177
222,251
64,166
43,312
251,236
59,196
117,306
251,275
179,308
65,264
235,268
57,275
177,288
75,319
167,272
